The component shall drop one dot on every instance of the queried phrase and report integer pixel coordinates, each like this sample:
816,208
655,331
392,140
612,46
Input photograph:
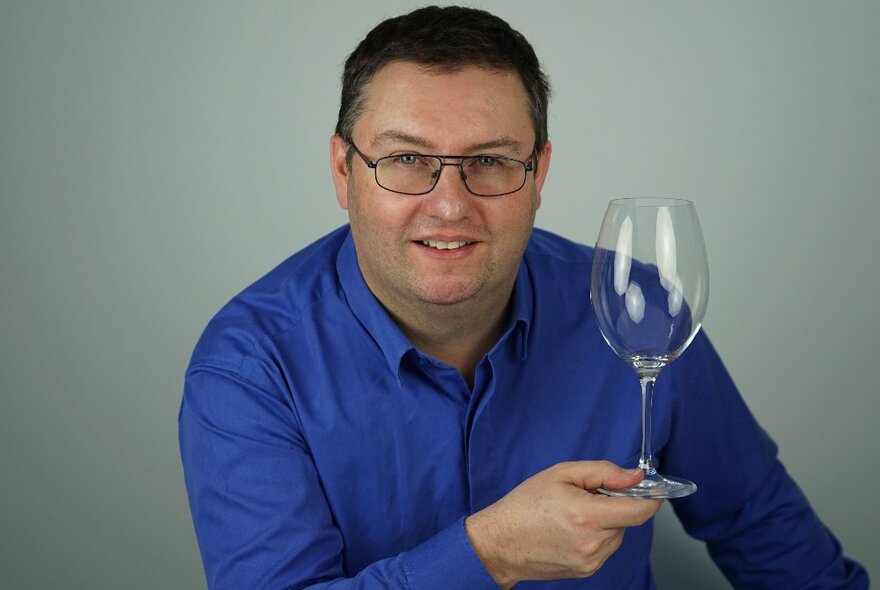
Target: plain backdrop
157,157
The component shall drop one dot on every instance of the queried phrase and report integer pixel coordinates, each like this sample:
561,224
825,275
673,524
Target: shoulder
558,273
547,251
274,304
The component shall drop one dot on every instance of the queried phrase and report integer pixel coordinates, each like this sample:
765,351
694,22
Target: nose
450,200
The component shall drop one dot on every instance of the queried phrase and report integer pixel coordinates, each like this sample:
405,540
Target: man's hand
554,525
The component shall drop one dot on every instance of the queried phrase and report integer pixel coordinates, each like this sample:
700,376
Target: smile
444,245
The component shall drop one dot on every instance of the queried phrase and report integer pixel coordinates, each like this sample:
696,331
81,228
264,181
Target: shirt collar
368,310
521,312
388,336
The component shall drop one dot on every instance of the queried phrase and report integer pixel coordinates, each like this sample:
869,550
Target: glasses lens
490,176
408,173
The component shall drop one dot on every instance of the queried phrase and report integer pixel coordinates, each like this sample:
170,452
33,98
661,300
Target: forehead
471,104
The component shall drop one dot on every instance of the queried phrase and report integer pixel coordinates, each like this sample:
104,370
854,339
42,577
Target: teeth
444,245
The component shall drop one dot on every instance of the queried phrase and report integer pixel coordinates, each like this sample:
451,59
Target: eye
487,161
407,159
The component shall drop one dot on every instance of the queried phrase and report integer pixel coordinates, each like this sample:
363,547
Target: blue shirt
321,448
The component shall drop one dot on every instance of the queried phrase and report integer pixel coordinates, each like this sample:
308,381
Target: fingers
614,512
619,513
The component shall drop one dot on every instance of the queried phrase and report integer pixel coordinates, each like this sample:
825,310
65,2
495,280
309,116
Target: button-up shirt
321,448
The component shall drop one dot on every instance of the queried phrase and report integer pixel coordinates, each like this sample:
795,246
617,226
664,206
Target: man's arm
263,521
261,517
758,526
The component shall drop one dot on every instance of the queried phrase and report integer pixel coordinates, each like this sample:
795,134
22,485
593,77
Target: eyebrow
401,137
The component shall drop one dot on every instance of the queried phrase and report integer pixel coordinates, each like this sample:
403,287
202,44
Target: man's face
473,111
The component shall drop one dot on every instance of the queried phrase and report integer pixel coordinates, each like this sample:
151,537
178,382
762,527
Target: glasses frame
374,165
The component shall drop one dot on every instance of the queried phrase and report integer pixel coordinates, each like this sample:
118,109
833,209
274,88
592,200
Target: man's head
441,82
444,39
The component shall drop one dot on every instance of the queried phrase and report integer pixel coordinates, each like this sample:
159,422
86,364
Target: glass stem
646,459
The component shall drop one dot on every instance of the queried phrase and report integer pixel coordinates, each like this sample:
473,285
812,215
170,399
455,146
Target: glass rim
651,202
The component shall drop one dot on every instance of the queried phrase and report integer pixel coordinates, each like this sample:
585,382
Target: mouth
440,245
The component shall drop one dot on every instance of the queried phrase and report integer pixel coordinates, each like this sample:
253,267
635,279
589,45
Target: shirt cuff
446,560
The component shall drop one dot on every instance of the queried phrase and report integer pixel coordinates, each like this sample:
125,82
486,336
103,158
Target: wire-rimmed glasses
417,174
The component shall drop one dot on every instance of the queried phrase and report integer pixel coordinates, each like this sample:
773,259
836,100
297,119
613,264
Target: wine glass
650,289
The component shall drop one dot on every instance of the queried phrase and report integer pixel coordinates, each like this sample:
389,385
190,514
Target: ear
541,171
339,169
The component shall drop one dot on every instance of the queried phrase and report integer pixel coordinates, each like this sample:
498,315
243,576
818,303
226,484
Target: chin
448,293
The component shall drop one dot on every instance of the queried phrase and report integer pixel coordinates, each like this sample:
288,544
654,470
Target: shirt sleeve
758,526
261,517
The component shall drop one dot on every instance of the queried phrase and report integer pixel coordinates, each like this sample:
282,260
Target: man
422,399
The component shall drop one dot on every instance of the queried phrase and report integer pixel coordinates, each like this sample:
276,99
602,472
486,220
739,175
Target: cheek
512,225
514,217
378,215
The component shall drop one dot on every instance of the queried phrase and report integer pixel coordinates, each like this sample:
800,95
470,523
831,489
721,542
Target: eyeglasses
418,174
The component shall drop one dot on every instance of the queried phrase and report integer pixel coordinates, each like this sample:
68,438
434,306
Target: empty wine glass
650,289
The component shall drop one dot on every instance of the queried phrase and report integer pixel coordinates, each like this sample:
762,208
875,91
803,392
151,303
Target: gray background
155,158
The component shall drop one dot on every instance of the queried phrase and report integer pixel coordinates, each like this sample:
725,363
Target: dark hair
444,39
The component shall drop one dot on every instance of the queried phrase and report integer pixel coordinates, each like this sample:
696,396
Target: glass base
658,487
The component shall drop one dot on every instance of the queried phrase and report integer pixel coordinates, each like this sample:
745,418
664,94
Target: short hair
444,39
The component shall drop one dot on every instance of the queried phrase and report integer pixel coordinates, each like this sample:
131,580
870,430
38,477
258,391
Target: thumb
590,475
